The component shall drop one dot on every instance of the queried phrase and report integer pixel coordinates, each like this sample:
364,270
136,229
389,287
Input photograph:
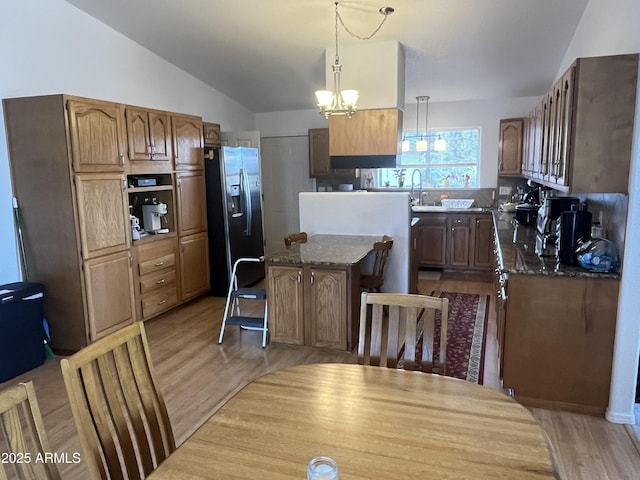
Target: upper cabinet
368,132
187,139
149,140
580,134
510,146
212,134
96,131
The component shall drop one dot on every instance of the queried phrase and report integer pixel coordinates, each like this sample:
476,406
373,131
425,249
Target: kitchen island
314,290
555,324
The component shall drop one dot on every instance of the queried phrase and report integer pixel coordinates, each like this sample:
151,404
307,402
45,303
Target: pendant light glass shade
406,146
422,145
439,145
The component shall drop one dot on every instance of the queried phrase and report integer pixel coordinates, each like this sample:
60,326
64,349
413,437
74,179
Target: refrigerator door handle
246,191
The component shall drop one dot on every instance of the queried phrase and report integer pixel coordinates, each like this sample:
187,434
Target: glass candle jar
322,468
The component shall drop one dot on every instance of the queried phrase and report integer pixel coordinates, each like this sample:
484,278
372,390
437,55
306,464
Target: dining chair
373,282
117,406
394,327
292,238
23,435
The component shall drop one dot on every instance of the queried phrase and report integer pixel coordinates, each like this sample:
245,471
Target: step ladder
232,315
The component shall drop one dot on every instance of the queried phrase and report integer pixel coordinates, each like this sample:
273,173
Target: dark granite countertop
324,249
517,250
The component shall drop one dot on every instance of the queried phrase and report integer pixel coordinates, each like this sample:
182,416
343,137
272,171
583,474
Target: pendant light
422,145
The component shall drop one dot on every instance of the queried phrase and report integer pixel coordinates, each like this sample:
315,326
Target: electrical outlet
505,191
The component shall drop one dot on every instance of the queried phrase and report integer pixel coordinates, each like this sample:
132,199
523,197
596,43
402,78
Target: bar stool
373,282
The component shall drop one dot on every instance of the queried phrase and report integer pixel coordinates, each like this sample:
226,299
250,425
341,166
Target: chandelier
343,102
422,145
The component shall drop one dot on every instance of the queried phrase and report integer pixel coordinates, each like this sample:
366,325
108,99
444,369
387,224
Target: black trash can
21,329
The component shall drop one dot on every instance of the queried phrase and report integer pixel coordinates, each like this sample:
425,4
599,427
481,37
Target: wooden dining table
374,422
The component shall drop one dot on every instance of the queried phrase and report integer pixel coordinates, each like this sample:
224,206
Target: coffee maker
152,215
548,223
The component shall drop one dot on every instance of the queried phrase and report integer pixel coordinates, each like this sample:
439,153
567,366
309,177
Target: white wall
364,213
49,46
610,27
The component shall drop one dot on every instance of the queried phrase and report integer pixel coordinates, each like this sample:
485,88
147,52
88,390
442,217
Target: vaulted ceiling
269,54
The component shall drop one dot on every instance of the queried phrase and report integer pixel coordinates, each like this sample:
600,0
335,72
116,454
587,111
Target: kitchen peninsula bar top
314,290
327,249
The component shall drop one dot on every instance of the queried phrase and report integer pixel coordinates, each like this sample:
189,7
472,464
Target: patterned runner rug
466,335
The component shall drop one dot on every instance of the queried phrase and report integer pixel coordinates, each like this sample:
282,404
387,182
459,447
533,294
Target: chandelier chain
355,35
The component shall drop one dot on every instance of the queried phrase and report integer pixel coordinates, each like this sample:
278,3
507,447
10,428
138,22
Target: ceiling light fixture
343,102
422,144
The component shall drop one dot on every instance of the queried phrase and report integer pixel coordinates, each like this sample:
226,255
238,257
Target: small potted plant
399,174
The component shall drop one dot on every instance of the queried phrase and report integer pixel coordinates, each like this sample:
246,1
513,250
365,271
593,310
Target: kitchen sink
440,208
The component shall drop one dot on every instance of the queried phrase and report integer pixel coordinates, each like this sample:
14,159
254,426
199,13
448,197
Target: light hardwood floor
197,375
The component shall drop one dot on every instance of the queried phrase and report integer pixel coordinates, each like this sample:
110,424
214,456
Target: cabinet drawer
162,279
156,264
460,220
159,302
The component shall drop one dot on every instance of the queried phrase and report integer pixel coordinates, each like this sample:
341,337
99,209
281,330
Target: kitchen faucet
413,174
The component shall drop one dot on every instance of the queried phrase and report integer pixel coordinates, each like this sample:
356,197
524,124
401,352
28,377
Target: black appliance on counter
548,223
573,227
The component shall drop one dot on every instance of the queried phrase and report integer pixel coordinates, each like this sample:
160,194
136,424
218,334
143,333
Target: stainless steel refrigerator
234,211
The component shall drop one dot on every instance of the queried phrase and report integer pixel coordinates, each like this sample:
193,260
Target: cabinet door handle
163,301
159,264
161,281
299,277
313,278
121,160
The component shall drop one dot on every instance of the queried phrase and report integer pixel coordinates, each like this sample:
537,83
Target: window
455,167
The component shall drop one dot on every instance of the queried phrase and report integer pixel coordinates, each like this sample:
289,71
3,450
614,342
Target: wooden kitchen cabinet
68,159
558,341
191,202
324,320
459,240
109,284
96,131
155,276
319,161
368,132
483,242
510,147
187,142
432,240
103,213
583,128
194,265
286,304
149,140
212,134
455,240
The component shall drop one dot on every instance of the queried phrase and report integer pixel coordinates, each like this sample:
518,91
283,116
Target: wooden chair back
292,238
117,406
388,331
373,282
23,437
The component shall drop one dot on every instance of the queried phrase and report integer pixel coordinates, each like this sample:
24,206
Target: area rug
466,335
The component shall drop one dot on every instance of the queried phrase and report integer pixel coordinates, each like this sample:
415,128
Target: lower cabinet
156,279
310,306
455,240
194,265
109,284
558,341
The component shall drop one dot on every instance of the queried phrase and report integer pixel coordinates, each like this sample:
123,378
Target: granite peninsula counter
314,290
555,325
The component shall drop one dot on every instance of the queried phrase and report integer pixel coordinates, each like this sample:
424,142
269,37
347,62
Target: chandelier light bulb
325,98
349,97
